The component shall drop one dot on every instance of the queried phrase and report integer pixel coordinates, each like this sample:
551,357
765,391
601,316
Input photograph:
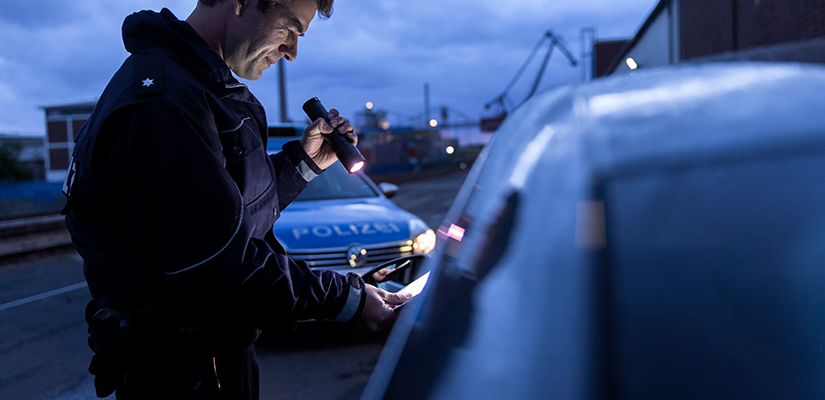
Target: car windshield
336,183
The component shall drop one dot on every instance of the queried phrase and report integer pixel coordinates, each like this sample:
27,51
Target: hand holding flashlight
347,153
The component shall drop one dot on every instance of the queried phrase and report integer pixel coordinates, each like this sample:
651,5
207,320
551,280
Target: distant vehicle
655,236
346,223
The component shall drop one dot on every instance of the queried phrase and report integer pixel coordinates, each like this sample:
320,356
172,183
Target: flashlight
347,153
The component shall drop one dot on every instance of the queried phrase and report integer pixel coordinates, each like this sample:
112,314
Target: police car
345,222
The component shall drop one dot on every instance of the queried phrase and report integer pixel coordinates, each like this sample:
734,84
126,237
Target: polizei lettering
346,230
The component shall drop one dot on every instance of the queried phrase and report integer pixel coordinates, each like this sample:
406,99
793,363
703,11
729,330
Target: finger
332,113
321,126
344,128
389,298
396,299
352,138
339,122
383,294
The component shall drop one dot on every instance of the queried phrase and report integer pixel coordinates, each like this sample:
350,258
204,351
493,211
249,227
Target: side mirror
388,189
393,275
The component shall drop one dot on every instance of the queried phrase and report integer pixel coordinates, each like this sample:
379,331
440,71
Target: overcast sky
57,52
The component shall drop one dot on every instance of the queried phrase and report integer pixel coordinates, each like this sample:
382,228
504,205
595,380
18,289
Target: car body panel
650,236
342,217
336,223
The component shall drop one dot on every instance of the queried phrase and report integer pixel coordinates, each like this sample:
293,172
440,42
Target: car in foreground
346,223
654,236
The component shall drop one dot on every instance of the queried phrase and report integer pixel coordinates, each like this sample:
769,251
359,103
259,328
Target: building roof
21,136
85,107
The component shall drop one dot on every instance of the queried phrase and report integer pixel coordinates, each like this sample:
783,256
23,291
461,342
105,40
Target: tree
11,169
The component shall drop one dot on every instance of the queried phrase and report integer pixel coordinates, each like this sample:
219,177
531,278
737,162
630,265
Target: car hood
339,223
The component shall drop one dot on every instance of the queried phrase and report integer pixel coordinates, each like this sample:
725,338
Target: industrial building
63,123
679,31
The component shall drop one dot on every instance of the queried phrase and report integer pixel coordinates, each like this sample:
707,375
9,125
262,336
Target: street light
632,63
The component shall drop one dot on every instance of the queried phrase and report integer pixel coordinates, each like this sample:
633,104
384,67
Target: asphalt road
430,199
43,331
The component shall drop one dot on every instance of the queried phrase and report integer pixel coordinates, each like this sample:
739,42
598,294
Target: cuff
304,166
356,298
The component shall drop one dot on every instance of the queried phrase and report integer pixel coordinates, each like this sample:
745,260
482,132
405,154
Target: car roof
648,236
667,112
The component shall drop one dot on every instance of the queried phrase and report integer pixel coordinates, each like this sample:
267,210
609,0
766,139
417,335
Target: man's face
255,40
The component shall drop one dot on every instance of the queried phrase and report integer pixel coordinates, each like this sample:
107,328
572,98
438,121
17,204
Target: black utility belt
141,328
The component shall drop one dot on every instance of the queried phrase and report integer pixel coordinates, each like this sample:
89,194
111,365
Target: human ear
240,6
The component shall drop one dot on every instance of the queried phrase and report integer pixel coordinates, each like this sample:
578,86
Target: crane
503,100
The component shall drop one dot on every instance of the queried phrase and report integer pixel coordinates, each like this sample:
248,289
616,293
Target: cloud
59,51
384,51
38,14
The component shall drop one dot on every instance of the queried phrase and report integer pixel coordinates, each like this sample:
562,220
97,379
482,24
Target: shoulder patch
148,75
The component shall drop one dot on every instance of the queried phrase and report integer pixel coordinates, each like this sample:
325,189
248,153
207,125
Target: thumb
321,126
396,299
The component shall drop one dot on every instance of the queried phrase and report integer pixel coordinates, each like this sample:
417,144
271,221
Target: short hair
324,6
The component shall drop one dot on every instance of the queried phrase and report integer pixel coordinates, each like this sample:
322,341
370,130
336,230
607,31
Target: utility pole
587,36
282,89
426,103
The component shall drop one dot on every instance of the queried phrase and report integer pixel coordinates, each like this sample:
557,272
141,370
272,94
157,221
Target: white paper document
415,287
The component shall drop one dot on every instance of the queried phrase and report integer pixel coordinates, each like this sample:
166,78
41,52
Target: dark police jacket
172,196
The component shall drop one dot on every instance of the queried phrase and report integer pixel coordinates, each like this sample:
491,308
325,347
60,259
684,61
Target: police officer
172,198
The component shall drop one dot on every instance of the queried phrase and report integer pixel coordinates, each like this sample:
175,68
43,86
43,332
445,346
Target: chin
252,75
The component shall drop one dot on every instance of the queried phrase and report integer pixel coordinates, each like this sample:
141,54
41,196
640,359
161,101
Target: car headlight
424,243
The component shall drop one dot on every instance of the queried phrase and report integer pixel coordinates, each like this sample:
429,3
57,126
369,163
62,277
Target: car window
336,183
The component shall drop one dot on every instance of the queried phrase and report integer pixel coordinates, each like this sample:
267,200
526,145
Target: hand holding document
414,288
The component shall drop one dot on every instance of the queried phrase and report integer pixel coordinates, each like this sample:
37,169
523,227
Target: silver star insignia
148,82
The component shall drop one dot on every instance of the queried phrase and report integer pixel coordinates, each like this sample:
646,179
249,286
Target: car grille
336,257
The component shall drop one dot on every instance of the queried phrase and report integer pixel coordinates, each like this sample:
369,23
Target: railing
33,235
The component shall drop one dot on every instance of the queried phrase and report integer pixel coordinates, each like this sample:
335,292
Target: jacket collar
149,31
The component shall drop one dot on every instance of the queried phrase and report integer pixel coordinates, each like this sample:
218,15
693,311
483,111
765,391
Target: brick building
698,30
63,122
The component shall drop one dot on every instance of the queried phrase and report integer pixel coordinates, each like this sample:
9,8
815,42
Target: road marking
42,296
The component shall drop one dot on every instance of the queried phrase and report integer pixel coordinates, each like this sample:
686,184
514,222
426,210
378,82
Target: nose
289,51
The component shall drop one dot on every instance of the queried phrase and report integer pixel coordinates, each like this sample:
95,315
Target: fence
21,199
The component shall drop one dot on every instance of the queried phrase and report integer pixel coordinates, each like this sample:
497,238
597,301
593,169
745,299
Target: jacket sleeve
294,169
187,217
